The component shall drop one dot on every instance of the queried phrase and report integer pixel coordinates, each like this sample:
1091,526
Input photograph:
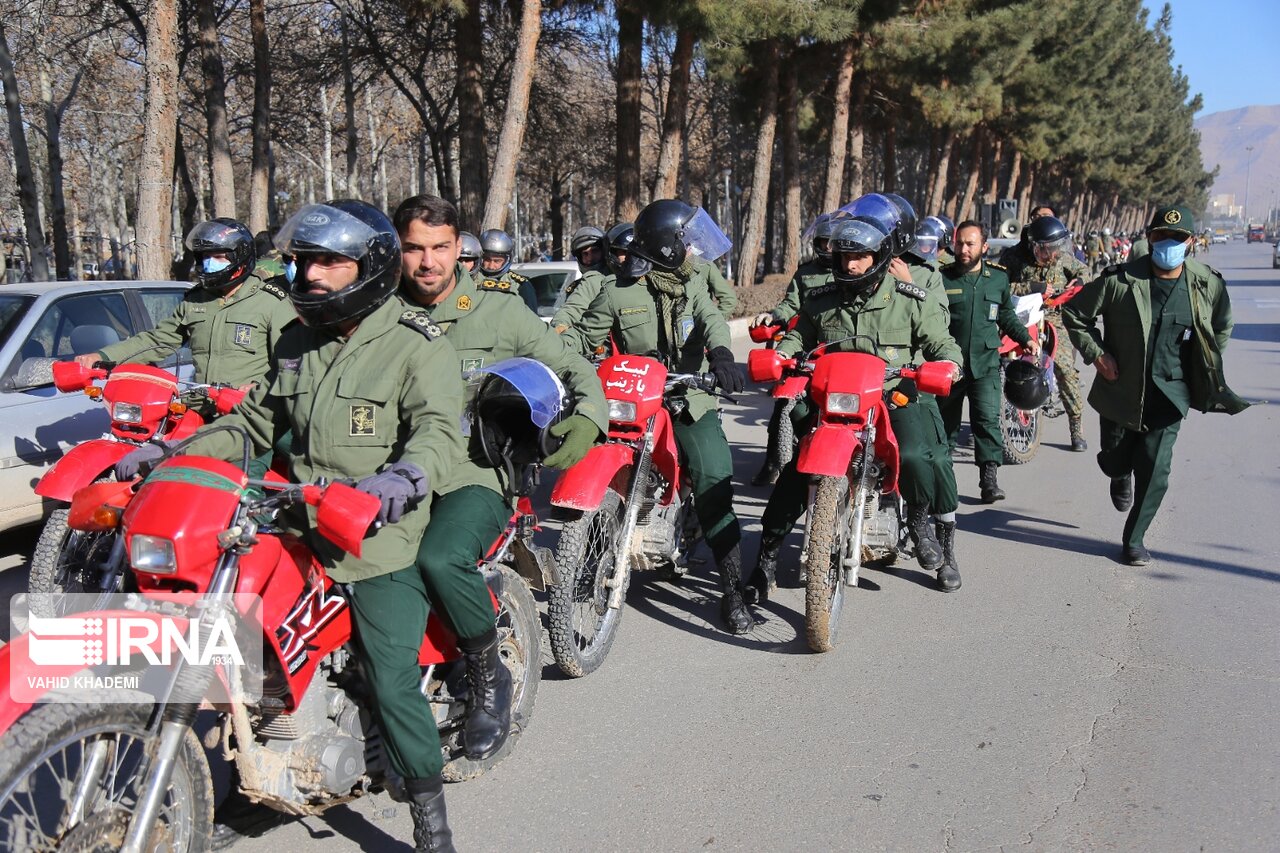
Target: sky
1227,49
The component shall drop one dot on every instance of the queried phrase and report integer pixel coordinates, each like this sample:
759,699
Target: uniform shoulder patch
496,285
996,266
820,290
571,287
275,290
421,324
907,289
517,278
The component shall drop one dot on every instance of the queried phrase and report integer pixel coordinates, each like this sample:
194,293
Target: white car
48,321
549,279
1218,238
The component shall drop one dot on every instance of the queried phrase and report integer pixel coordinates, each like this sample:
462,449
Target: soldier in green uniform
1052,269
590,247
1020,253
497,249
981,310
716,284
485,325
370,391
469,252
655,306
909,265
231,319
1167,321
815,272
946,245
898,322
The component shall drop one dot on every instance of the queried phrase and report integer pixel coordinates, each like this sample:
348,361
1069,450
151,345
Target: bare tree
473,153
28,195
260,178
673,118
751,242
626,201
160,121
517,115
223,181
839,129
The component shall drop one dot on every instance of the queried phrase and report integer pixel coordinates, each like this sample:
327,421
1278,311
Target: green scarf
670,290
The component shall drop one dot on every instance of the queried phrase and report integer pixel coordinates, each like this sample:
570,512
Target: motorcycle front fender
83,464
828,450
583,486
791,387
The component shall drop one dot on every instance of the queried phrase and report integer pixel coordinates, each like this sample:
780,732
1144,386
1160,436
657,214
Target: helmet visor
321,228
875,207
857,236
1045,252
214,236
537,383
704,238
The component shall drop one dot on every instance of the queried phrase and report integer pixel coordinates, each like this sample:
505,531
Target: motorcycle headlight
842,404
621,410
126,413
152,554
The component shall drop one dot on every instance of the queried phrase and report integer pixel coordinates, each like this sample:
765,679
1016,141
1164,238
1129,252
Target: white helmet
1106,232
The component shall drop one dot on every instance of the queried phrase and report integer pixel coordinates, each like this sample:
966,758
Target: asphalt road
1059,701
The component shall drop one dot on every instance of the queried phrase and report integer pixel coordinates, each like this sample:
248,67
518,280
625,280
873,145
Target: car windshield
12,307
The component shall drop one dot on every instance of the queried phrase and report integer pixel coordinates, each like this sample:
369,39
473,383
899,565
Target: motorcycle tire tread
819,631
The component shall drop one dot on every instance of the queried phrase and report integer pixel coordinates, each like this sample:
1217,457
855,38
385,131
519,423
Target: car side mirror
32,373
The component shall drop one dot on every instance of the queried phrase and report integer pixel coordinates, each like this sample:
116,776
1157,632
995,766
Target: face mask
1168,254
212,265
290,271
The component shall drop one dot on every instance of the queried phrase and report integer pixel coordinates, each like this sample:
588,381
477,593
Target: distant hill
1223,139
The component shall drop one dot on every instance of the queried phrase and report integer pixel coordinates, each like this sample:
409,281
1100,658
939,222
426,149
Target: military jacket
578,297
809,275
628,310
925,275
513,281
1057,275
231,339
904,325
389,393
716,284
981,311
486,325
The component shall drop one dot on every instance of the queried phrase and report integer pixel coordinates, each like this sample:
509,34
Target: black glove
728,375
400,485
1039,286
128,466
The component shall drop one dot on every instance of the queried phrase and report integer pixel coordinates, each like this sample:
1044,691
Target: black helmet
659,236
948,231
930,236
621,238
354,230
856,236
227,236
497,243
1026,386
904,236
586,237
820,232
1047,235
470,247
518,401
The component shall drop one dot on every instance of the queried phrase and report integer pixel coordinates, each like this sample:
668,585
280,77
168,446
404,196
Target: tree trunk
837,145
975,171
57,196
1015,171
28,194
159,126
326,143
352,181
626,203
187,215
995,161
556,215
890,181
673,118
790,171
513,122
938,190
259,181
215,111
469,90
751,241
1024,200
857,141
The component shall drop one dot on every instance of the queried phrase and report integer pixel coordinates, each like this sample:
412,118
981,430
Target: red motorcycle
791,388
1021,429
134,776
855,514
145,404
631,507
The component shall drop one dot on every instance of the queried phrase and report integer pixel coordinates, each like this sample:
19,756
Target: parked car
1219,238
47,321
549,279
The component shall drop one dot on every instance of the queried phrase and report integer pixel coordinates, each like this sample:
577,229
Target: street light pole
728,209
1248,162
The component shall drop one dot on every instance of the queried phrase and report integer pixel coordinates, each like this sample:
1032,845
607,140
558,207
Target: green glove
579,433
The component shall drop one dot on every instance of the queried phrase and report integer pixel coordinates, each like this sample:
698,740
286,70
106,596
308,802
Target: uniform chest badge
362,420
243,334
290,365
992,309
890,353
686,329
464,303
471,365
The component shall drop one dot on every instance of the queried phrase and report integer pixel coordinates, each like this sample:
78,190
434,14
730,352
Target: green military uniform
485,326
925,275
905,326
1140,249
721,291
389,393
231,338
513,281
681,326
981,310
1167,337
1056,276
578,297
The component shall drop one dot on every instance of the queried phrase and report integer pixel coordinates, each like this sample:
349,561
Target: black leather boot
949,571
489,707
1122,492
431,833
928,553
768,473
991,491
733,609
763,580
1078,444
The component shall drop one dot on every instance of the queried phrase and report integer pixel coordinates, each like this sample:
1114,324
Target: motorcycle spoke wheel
67,561
1021,433
95,753
582,625
828,546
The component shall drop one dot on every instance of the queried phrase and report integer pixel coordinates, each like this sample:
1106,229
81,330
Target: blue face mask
290,271
212,265
1169,254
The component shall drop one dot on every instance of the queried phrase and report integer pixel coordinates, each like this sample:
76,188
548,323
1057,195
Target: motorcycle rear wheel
582,624
68,561
1021,433
47,758
828,543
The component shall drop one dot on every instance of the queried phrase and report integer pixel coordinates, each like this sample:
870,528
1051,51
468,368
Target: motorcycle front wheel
1021,433
583,626
72,779
829,526
72,561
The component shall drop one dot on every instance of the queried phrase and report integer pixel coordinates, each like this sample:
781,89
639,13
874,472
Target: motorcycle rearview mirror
69,376
344,514
764,333
934,377
764,365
